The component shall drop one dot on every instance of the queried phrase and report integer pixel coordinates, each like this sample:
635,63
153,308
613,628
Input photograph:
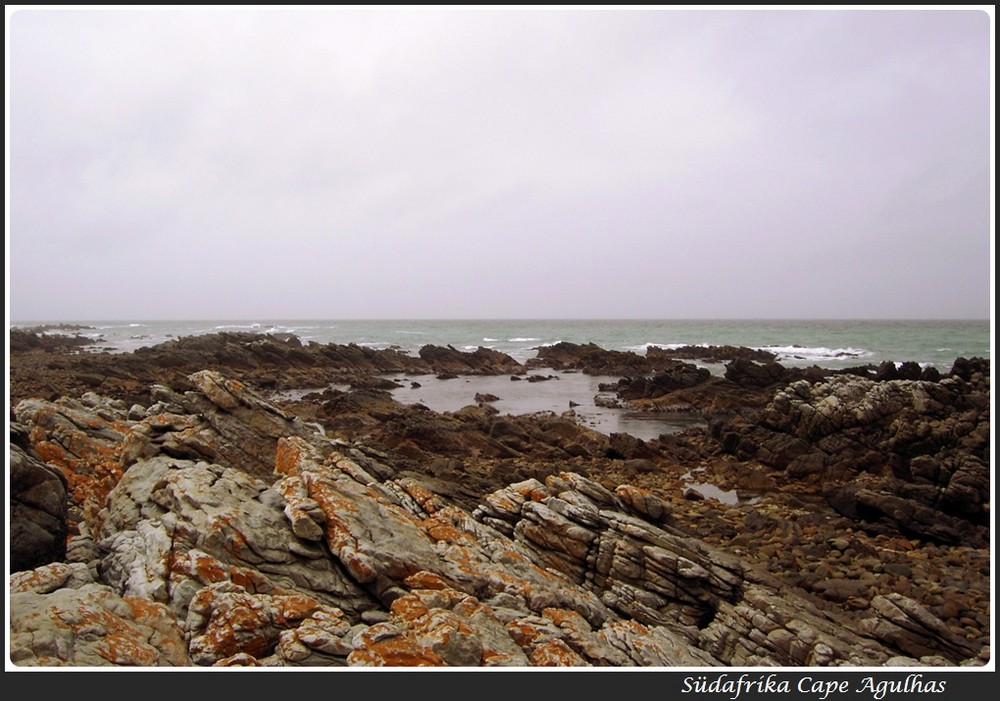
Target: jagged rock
37,519
712,354
83,623
173,526
482,361
909,627
905,454
589,358
676,375
83,441
365,550
624,446
224,620
747,373
701,600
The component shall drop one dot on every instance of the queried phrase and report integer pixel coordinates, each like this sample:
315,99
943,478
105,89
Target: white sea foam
646,346
666,346
816,354
519,339
487,339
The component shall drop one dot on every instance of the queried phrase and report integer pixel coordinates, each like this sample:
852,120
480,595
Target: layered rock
590,358
712,354
236,533
482,361
38,507
908,455
59,616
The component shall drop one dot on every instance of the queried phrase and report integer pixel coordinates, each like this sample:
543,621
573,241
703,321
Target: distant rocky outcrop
268,361
589,358
481,361
710,354
678,375
49,338
594,360
908,454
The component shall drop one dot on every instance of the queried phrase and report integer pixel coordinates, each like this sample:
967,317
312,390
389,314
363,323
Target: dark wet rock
482,361
623,446
678,376
747,373
37,521
971,369
906,453
589,358
375,383
606,401
43,338
711,354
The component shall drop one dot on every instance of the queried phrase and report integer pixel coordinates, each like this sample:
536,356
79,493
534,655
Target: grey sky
383,164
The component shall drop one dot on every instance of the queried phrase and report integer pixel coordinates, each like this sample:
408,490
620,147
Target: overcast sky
177,164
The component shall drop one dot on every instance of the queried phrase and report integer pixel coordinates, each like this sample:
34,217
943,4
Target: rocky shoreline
175,507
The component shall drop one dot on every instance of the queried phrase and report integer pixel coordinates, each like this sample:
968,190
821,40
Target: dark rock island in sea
174,507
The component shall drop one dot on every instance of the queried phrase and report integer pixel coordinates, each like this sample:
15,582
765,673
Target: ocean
827,343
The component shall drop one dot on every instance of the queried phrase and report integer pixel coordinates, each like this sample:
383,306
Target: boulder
37,519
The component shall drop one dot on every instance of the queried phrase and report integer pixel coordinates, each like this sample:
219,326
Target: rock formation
204,523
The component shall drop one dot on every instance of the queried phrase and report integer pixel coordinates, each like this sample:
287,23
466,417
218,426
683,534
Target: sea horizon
833,343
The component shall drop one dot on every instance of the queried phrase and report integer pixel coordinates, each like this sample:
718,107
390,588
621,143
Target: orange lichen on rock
340,538
450,637
143,608
295,608
642,501
91,466
224,527
409,608
240,659
122,649
531,489
206,569
523,633
556,653
288,456
237,622
442,530
398,651
428,500
565,618
428,580
42,580
120,641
